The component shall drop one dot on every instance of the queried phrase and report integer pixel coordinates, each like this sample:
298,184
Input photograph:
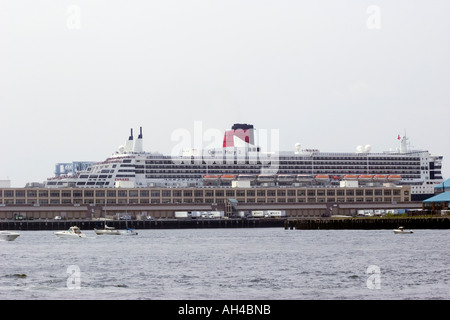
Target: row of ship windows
282,163
305,167
284,160
284,170
198,173
206,200
161,175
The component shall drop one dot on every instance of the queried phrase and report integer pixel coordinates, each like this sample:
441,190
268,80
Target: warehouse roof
441,197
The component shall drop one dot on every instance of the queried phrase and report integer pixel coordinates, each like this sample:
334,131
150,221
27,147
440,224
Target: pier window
66,194
166,193
134,193
99,193
187,193
219,193
54,194
20,194
144,193
176,193
31,193
198,193
111,193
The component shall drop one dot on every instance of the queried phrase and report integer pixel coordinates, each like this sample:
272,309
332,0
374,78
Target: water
207,264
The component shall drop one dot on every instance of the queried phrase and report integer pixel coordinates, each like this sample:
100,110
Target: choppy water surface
264,263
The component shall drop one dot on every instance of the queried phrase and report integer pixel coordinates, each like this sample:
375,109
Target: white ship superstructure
239,159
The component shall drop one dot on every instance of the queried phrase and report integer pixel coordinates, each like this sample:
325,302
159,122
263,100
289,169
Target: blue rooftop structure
443,186
439,198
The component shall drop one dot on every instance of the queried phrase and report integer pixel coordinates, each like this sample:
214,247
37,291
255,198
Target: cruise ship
240,160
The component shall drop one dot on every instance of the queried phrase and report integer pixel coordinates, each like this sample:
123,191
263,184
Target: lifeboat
336,178
350,177
380,177
322,177
211,177
227,177
394,177
266,177
365,177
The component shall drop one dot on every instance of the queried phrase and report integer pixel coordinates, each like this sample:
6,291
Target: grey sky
76,75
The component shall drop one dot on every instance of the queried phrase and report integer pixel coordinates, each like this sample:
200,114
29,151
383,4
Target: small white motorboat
128,232
107,230
8,235
73,232
402,230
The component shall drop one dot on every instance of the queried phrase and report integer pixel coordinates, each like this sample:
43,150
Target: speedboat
107,230
8,235
402,230
73,232
128,232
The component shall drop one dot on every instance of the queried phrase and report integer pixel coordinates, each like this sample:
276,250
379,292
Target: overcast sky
76,75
